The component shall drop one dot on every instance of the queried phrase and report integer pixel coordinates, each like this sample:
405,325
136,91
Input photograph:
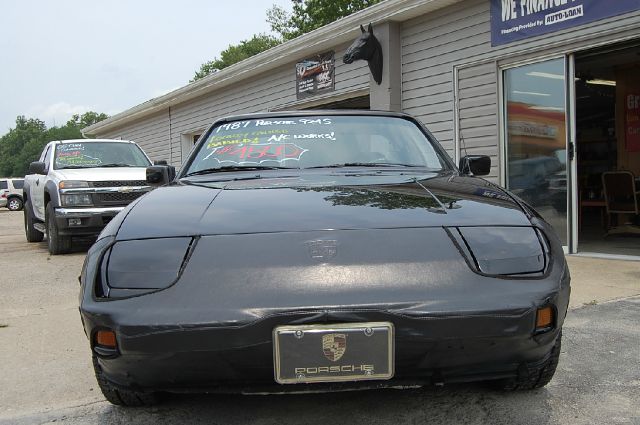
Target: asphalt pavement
46,375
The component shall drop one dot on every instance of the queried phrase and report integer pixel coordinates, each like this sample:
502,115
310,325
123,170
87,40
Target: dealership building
549,89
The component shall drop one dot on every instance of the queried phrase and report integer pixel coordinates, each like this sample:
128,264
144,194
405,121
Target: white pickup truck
78,186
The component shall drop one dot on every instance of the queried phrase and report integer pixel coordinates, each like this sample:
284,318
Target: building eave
335,33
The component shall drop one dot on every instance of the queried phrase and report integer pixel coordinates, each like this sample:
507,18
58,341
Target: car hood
101,174
236,208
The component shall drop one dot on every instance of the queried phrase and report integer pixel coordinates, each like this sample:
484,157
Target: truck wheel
57,244
30,232
120,396
534,377
14,204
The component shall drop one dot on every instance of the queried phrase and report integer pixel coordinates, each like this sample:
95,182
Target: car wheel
30,232
14,204
57,244
530,378
121,396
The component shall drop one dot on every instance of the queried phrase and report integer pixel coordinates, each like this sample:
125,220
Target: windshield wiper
70,167
368,164
228,168
114,165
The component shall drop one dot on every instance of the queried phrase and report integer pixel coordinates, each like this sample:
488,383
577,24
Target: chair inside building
621,199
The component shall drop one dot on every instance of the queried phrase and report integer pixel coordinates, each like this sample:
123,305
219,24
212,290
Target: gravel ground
46,376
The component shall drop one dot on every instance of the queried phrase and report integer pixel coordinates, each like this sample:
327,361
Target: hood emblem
334,346
322,250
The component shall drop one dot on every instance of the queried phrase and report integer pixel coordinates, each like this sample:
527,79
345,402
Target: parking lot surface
46,375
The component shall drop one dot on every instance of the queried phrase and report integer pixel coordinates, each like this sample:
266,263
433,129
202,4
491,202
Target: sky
65,57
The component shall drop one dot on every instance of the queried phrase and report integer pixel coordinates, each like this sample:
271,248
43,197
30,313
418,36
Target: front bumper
202,360
92,220
238,357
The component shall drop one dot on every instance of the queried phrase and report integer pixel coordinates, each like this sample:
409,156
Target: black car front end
280,260
211,327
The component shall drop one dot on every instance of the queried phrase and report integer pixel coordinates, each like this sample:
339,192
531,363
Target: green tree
236,53
308,15
86,119
27,133
23,144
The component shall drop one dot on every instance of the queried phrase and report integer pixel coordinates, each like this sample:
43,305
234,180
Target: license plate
333,353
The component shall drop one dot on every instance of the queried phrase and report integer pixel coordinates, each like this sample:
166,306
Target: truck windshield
99,154
315,142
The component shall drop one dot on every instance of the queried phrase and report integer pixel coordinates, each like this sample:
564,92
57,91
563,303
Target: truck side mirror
160,162
475,165
37,167
158,175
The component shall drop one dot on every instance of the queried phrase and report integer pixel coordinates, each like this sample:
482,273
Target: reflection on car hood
237,208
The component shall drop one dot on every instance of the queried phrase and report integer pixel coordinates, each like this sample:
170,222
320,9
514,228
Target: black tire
120,396
30,232
14,203
530,378
57,244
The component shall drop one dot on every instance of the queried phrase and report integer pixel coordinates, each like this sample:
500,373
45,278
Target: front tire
120,396
30,232
57,244
530,378
15,204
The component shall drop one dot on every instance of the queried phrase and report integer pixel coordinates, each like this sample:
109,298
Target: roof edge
329,35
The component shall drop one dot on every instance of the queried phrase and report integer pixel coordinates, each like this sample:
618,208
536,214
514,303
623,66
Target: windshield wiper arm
368,164
228,168
114,165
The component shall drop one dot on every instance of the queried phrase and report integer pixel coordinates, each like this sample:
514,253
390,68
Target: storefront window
536,139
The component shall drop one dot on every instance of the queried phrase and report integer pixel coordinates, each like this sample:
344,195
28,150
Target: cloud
58,113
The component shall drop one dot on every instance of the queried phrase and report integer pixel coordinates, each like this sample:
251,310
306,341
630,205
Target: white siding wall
478,109
432,45
270,91
151,133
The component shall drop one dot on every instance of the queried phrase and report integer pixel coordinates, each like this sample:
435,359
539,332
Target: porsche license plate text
331,353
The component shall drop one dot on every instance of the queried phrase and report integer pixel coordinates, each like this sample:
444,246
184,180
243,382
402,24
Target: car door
36,194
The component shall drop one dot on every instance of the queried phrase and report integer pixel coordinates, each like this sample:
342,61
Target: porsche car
322,251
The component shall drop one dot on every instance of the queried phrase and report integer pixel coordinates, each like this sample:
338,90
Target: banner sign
513,20
632,122
315,75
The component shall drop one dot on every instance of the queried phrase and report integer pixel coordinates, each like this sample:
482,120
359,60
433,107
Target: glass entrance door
535,111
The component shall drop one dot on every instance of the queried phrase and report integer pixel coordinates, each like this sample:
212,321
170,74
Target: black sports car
322,251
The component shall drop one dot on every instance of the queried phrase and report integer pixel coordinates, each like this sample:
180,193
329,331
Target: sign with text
632,122
315,75
513,20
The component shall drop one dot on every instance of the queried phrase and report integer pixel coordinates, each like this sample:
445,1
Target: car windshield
315,142
99,154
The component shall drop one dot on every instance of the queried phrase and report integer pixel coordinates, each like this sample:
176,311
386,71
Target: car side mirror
158,175
37,167
475,165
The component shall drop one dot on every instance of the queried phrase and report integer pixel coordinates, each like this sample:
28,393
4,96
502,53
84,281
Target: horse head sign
366,47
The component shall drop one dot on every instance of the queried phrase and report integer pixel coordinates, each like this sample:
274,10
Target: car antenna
464,147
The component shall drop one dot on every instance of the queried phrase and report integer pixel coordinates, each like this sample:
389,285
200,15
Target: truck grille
115,198
119,183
